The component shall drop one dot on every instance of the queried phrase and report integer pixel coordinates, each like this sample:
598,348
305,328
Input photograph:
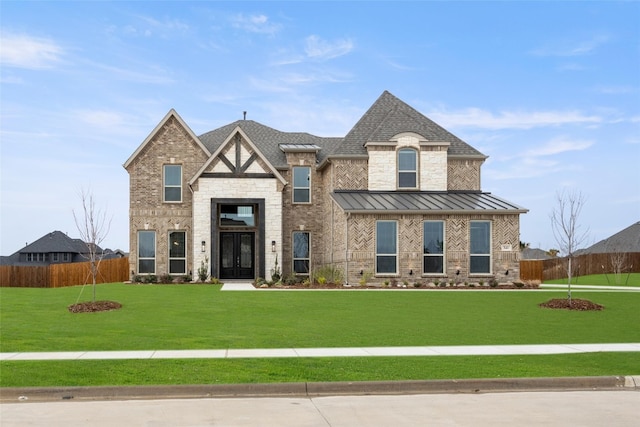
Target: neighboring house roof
56,241
627,240
388,117
427,202
534,253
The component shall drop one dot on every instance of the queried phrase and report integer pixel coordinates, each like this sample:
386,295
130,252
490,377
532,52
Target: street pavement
567,408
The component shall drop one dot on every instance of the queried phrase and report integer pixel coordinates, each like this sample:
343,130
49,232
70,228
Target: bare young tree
566,228
93,226
618,260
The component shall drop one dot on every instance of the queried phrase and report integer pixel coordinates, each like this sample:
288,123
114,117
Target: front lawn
160,317
624,279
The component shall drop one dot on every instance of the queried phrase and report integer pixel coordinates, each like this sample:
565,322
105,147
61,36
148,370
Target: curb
316,389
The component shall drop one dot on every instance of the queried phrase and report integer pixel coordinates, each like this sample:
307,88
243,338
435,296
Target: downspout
346,247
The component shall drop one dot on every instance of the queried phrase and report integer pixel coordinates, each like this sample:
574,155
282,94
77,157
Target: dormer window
407,168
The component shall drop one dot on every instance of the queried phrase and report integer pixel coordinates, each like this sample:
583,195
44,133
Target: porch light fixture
457,272
273,246
506,273
204,246
411,272
361,272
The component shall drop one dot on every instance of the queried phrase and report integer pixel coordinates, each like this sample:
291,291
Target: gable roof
268,140
56,241
627,240
229,140
171,114
389,116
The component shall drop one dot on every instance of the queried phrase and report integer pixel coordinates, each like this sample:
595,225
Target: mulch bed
92,307
576,304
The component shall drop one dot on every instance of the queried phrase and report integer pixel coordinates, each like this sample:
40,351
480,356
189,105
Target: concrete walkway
246,286
480,350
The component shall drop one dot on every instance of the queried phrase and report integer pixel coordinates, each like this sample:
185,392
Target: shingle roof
268,140
56,241
422,202
387,117
627,240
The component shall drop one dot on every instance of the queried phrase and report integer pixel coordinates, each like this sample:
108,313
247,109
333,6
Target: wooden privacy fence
61,275
556,268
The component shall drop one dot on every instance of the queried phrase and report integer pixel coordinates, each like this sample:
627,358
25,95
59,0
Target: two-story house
397,197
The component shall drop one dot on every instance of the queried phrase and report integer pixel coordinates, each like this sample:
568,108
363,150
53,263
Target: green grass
202,317
227,371
625,279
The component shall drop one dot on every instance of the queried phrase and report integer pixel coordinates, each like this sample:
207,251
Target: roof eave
434,212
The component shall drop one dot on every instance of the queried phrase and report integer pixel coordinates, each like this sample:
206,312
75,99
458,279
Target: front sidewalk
480,350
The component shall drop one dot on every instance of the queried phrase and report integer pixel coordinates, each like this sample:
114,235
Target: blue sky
550,91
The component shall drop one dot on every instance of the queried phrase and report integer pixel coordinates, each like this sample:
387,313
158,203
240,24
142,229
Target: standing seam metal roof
422,202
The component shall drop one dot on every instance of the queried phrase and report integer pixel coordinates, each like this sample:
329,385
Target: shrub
151,278
203,270
215,281
493,283
518,284
166,278
417,284
138,278
442,284
330,274
275,271
366,276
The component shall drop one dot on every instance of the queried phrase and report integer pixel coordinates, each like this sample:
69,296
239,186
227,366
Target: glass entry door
237,255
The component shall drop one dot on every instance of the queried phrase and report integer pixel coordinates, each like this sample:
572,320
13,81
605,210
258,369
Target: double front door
237,255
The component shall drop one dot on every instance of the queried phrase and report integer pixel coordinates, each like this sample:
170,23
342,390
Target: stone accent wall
464,174
382,168
433,168
235,188
147,211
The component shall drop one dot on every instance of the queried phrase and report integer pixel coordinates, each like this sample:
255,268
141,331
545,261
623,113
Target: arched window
407,168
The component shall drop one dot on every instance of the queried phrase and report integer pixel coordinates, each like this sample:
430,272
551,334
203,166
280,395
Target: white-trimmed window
480,247
301,184
146,252
172,177
301,252
433,247
386,247
177,252
407,168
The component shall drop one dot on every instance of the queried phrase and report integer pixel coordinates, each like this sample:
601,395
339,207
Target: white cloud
557,146
24,51
572,48
476,117
255,24
317,48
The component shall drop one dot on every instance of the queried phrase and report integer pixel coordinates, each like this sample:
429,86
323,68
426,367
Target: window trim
293,257
155,252
294,187
394,254
170,258
481,255
165,185
443,255
415,171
